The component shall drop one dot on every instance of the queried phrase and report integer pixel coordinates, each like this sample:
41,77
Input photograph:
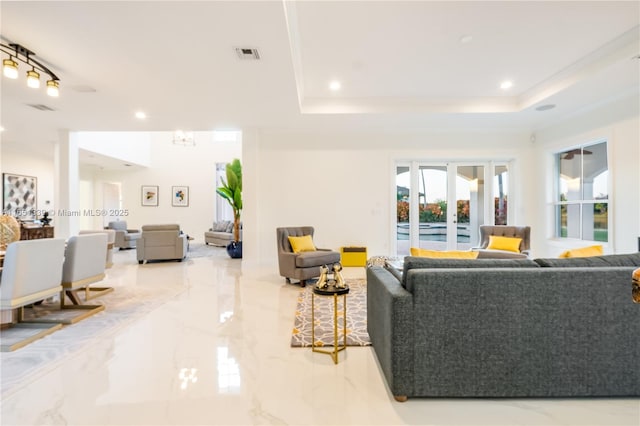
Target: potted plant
231,190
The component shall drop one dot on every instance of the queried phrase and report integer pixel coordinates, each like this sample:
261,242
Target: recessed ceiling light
141,115
335,86
507,84
1,129
466,39
545,107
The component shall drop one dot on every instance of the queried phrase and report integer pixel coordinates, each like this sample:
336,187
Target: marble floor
217,352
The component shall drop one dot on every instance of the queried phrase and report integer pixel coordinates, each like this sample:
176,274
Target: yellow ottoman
353,256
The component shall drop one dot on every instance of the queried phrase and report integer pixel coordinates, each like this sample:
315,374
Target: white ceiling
402,65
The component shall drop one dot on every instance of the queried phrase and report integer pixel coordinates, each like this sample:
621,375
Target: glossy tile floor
217,352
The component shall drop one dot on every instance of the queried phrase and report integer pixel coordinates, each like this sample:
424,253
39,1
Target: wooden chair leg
400,398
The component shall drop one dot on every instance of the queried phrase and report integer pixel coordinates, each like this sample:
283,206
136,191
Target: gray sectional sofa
506,328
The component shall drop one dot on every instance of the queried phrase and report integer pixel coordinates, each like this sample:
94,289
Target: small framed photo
150,195
179,196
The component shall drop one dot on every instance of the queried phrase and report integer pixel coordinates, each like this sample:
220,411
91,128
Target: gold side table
331,290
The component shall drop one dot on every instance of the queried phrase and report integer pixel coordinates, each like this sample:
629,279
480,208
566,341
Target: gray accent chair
125,238
305,265
162,242
486,231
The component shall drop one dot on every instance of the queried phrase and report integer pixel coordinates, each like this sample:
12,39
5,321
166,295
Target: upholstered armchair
84,264
162,242
487,251
111,241
304,265
125,238
31,273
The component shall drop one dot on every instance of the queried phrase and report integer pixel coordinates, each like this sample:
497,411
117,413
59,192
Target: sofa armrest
287,264
182,245
390,324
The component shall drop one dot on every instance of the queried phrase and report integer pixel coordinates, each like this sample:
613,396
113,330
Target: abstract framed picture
150,195
180,196
19,196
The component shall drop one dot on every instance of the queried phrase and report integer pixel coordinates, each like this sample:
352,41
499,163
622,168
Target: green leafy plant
231,190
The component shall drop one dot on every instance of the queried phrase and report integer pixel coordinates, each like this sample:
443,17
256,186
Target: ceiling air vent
247,53
41,107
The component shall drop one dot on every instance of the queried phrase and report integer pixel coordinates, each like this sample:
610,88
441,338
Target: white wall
343,184
170,165
131,147
619,123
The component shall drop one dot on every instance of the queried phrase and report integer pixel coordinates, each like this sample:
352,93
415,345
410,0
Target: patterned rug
356,317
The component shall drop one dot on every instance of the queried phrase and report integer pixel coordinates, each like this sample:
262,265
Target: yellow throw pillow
583,252
504,243
453,254
300,244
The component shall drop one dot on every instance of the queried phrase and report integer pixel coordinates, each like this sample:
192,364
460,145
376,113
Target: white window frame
582,202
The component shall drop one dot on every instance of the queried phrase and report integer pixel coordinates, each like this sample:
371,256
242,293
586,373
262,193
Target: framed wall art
150,195
19,196
180,196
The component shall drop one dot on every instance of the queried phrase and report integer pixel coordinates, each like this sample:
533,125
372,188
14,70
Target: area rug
197,250
356,317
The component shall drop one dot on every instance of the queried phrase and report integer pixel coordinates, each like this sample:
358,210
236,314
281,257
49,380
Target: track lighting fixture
20,53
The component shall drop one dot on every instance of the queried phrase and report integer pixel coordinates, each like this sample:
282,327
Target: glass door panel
470,209
403,192
500,193
432,207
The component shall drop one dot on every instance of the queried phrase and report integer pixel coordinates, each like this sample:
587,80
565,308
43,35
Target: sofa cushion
504,243
583,252
451,254
315,258
301,244
412,262
220,226
631,259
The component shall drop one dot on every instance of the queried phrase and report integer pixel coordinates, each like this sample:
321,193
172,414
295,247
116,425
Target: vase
234,249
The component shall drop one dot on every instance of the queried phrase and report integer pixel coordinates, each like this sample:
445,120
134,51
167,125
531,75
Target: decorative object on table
635,286
150,195
45,219
19,195
180,196
323,281
337,276
336,282
231,190
9,230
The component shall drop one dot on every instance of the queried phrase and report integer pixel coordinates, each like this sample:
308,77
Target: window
582,204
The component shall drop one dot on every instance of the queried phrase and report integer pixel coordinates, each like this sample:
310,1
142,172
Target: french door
440,206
